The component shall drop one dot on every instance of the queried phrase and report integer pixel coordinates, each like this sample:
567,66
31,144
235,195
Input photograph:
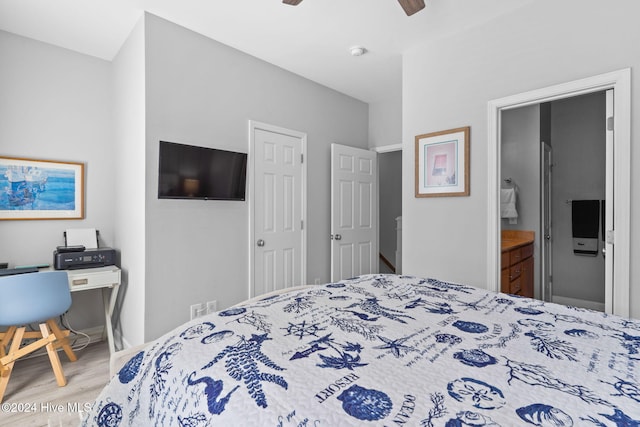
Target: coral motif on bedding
384,350
241,365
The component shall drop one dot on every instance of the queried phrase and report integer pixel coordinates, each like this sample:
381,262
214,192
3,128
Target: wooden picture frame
442,163
40,189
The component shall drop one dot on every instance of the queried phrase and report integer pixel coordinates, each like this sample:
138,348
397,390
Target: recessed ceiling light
357,51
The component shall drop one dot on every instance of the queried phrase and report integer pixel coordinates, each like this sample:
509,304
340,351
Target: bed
384,350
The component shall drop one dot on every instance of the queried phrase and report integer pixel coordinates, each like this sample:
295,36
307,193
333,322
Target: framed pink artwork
442,163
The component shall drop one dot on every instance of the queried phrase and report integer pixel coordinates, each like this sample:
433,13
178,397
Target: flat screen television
191,172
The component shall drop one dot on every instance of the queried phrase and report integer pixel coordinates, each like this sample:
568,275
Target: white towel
508,203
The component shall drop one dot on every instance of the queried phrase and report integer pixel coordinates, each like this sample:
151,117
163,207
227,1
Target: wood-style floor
33,398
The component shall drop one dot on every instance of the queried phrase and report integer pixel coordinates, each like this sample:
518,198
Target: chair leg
62,340
53,357
6,339
8,366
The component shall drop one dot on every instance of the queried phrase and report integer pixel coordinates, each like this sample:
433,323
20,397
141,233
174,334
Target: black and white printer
81,250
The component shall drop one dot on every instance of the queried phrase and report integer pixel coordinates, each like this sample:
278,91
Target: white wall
55,105
129,145
203,93
448,83
385,122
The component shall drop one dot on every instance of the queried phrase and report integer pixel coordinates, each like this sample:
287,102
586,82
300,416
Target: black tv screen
191,172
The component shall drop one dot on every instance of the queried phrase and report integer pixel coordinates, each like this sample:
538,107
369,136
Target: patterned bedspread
384,350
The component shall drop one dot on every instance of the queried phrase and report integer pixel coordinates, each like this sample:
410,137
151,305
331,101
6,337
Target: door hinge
610,123
611,237
301,224
301,158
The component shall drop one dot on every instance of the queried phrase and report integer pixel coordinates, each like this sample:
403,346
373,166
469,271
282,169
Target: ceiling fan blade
292,2
411,6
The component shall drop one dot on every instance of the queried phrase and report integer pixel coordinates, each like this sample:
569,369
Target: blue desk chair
33,298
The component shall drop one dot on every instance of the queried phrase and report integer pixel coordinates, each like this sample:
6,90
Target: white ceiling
312,39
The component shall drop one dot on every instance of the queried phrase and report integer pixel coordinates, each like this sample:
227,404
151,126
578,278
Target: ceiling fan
410,6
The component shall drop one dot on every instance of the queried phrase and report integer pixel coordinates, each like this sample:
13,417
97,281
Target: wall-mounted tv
191,172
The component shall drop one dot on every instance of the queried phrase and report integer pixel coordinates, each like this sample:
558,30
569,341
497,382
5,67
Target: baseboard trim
576,302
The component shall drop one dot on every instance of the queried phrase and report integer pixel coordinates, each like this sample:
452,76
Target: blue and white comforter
384,351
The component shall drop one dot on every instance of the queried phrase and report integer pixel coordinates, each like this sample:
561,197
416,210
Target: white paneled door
278,208
354,212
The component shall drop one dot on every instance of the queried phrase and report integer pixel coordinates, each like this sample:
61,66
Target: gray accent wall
447,84
201,92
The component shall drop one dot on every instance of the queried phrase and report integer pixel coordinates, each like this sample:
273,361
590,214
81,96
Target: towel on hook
508,203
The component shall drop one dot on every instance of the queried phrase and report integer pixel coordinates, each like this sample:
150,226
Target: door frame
253,126
620,81
546,248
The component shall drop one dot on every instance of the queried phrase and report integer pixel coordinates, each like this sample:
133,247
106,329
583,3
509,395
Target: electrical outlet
212,306
197,310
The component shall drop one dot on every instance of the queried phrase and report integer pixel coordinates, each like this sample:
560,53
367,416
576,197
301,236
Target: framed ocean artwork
41,189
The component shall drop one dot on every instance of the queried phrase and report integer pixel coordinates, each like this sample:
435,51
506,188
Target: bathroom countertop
511,239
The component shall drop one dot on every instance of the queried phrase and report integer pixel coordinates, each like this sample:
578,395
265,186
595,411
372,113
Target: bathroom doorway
553,155
618,184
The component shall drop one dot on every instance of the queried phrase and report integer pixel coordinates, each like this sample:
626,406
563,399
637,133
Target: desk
105,278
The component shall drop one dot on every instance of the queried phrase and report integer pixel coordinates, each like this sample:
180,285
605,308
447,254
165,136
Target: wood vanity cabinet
517,263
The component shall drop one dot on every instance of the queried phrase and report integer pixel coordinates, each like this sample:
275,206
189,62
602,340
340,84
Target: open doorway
553,162
390,210
617,241
390,207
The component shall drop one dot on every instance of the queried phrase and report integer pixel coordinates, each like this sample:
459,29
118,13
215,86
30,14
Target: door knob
337,237
260,242
547,236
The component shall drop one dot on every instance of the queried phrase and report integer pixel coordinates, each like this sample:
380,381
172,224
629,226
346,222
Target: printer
73,257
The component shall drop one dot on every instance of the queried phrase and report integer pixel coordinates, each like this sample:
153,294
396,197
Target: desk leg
109,297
